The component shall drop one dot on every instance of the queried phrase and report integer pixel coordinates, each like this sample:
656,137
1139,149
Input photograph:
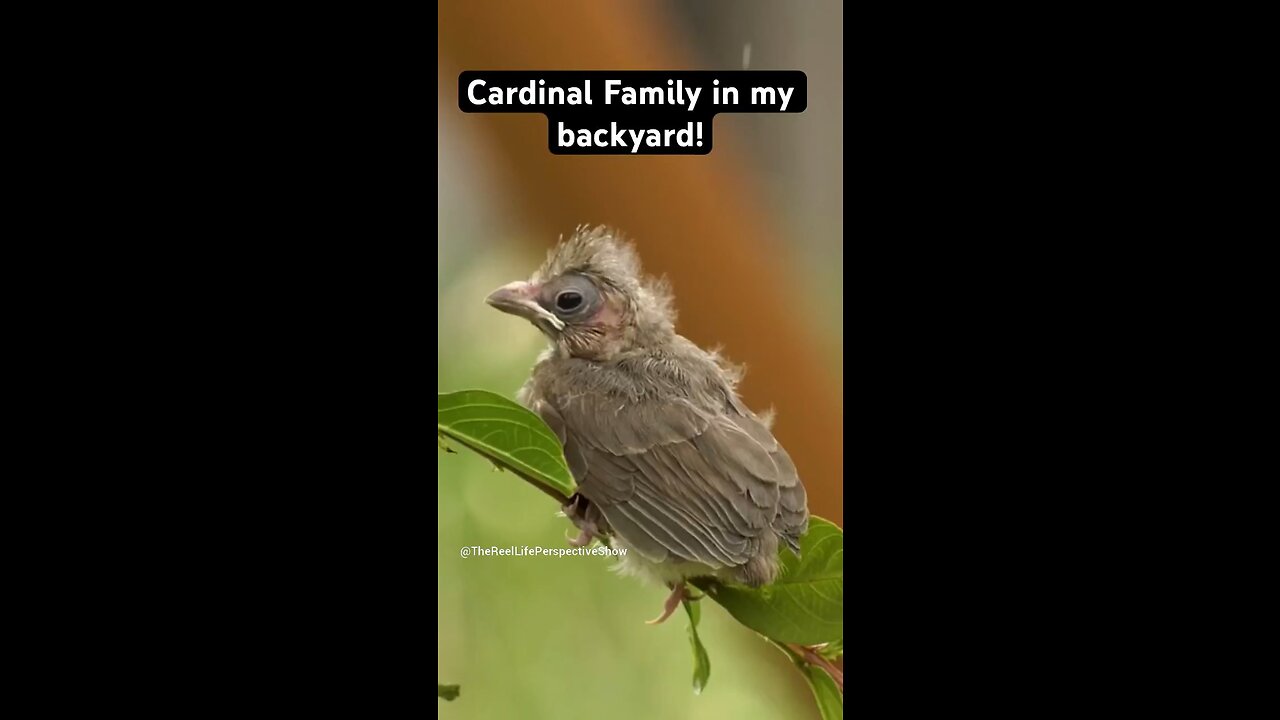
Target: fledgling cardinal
667,458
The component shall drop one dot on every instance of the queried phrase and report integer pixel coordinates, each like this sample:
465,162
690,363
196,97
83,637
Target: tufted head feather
599,251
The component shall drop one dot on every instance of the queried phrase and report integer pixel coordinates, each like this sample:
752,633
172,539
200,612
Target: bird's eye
569,300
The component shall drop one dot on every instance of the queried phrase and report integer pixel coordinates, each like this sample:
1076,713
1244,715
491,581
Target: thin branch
813,658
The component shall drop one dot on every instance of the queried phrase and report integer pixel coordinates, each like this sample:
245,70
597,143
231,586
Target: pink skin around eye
608,315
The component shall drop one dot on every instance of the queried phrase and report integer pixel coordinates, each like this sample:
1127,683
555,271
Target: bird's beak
521,298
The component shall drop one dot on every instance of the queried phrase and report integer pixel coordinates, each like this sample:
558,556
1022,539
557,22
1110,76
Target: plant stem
817,660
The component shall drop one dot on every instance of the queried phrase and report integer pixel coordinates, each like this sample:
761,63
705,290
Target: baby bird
668,459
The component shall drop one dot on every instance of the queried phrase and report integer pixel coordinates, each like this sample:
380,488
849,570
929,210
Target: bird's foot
678,593
586,525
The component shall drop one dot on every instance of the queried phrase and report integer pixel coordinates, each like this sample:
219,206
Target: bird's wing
678,480
792,519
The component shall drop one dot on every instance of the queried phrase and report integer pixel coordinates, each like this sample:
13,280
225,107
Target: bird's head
591,299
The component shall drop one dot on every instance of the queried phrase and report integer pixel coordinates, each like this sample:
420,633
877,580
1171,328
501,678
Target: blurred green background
759,221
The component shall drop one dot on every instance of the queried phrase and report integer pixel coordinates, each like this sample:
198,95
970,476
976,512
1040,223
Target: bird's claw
584,538
673,601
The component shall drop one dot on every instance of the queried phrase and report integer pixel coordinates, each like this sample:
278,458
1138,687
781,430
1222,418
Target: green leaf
830,701
447,692
806,604
509,436
701,663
